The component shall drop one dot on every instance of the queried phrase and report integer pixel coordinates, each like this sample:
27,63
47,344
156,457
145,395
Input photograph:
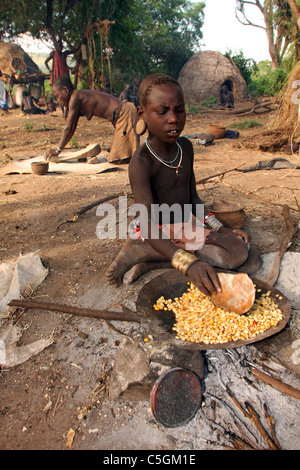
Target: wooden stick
82,312
282,387
255,418
88,207
245,413
203,180
271,425
237,403
236,417
291,230
257,197
241,112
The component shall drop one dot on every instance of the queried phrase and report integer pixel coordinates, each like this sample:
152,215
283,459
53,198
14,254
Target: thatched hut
13,58
284,124
205,73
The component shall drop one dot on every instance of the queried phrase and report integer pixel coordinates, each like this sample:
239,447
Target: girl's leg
227,252
132,253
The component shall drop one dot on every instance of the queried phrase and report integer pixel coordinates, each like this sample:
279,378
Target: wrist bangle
212,222
58,149
204,220
182,260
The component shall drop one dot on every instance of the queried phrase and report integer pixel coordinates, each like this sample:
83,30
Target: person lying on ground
161,172
89,103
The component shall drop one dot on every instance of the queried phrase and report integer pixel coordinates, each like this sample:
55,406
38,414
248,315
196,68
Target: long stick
282,387
203,180
88,207
255,418
271,425
259,198
82,312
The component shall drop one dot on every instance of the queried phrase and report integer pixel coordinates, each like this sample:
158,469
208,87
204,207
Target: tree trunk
273,50
266,9
295,11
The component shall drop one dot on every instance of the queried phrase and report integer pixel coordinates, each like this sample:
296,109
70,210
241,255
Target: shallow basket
217,131
40,168
231,215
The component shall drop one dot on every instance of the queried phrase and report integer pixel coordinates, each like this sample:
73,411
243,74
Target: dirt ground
65,387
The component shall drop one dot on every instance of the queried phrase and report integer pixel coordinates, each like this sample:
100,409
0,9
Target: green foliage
246,66
209,101
73,142
246,124
261,80
268,82
155,35
147,35
28,126
191,109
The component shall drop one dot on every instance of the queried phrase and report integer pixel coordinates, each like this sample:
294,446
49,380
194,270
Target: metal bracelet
213,222
182,260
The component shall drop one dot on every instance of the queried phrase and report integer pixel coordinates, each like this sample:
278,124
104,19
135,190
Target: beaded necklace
167,162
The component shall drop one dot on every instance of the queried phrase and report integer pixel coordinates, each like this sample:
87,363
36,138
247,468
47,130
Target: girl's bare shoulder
185,142
140,161
140,155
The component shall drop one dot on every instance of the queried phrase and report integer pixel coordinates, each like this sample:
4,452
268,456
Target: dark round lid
176,397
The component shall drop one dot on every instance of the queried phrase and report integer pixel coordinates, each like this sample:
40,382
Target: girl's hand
204,277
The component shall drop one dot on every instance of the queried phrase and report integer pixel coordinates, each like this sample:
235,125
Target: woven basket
228,213
40,168
217,131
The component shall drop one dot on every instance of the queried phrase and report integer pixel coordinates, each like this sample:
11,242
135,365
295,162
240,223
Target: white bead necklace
164,162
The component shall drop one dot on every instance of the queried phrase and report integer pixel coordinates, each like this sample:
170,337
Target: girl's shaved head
152,80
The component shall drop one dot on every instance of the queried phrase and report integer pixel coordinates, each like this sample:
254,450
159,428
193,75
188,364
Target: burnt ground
66,386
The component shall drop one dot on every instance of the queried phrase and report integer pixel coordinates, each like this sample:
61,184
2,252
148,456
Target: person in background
28,106
59,61
227,98
89,103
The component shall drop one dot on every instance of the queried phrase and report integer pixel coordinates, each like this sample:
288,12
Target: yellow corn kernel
199,321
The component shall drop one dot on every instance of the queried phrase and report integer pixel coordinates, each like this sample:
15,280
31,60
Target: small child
161,172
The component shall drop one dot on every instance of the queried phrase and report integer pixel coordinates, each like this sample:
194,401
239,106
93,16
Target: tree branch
295,11
240,9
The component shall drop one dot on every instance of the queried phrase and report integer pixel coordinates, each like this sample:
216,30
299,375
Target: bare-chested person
91,103
161,171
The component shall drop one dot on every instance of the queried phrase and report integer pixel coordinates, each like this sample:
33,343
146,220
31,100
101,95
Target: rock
131,371
238,293
135,370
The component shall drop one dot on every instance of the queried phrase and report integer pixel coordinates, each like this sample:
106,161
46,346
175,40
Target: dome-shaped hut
204,74
14,58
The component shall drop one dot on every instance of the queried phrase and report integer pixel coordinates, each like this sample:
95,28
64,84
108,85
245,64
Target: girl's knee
239,254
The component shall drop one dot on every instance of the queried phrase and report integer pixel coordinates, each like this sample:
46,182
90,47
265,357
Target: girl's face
164,112
62,95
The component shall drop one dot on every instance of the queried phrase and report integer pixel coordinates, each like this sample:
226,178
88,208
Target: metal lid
176,397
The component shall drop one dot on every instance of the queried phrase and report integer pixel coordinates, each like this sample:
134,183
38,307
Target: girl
161,172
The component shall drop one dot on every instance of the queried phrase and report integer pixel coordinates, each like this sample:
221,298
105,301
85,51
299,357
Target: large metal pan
173,284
